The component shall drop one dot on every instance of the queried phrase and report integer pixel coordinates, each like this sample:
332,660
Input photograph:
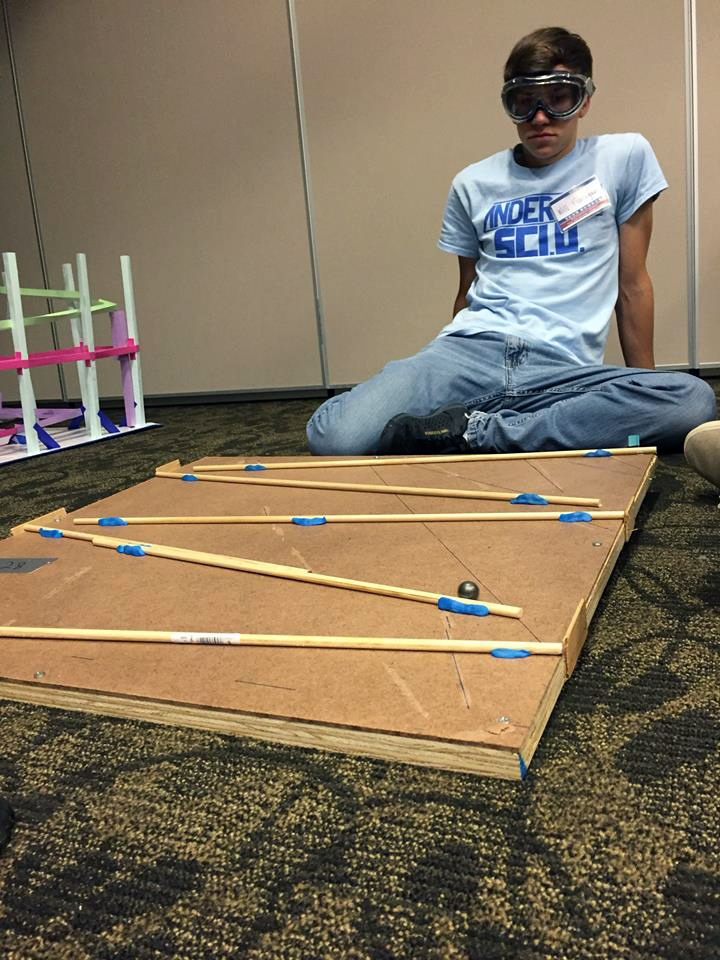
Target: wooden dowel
70,534
278,570
378,488
364,518
442,645
446,458
249,566
306,576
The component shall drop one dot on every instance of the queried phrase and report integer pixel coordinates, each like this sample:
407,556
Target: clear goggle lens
558,95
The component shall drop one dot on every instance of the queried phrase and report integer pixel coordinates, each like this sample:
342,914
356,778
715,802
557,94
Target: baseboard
280,393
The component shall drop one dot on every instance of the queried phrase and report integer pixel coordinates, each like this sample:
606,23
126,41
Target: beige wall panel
708,31
168,131
400,96
17,234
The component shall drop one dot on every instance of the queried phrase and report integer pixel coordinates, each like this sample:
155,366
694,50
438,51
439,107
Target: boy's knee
319,440
331,434
323,443
696,404
705,400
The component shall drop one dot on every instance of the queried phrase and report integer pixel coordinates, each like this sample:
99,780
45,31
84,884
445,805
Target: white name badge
579,203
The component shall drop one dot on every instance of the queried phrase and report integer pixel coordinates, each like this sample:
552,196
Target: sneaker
441,432
7,819
702,450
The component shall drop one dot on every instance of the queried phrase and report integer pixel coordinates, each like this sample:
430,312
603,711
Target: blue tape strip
502,653
47,441
634,440
579,516
112,522
107,423
597,453
309,521
523,767
189,477
130,550
50,533
530,498
457,606
78,421
254,466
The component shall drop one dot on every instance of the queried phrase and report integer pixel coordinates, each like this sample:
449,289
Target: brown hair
542,50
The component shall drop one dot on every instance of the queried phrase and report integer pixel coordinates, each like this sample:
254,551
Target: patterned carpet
136,841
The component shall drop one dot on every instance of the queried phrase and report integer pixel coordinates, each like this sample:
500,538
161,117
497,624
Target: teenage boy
550,237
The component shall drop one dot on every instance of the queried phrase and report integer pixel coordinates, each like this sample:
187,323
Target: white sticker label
585,200
218,639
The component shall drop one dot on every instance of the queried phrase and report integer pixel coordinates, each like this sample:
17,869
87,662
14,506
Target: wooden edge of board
460,757
575,638
604,574
637,500
173,465
55,516
542,715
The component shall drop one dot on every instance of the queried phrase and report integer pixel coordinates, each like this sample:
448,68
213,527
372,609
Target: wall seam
307,188
692,180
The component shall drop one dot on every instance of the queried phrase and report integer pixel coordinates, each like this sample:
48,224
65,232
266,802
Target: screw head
39,674
597,543
503,719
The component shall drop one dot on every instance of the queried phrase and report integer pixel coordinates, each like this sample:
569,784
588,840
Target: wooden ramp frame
465,712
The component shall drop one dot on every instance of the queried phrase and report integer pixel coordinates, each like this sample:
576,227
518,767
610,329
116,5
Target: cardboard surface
545,567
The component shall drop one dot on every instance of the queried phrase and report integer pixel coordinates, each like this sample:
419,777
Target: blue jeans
521,395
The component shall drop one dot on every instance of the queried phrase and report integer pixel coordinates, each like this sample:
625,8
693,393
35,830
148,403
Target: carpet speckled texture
136,841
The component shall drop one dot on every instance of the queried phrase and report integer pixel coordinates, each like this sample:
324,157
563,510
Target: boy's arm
635,305
467,275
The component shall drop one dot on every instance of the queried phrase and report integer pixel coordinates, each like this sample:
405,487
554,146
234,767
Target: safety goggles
559,95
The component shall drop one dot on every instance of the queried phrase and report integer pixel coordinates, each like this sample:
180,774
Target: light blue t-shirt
531,279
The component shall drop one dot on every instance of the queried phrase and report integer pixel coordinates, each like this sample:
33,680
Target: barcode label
217,639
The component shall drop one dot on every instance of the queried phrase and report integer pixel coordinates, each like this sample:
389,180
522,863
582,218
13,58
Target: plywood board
468,712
